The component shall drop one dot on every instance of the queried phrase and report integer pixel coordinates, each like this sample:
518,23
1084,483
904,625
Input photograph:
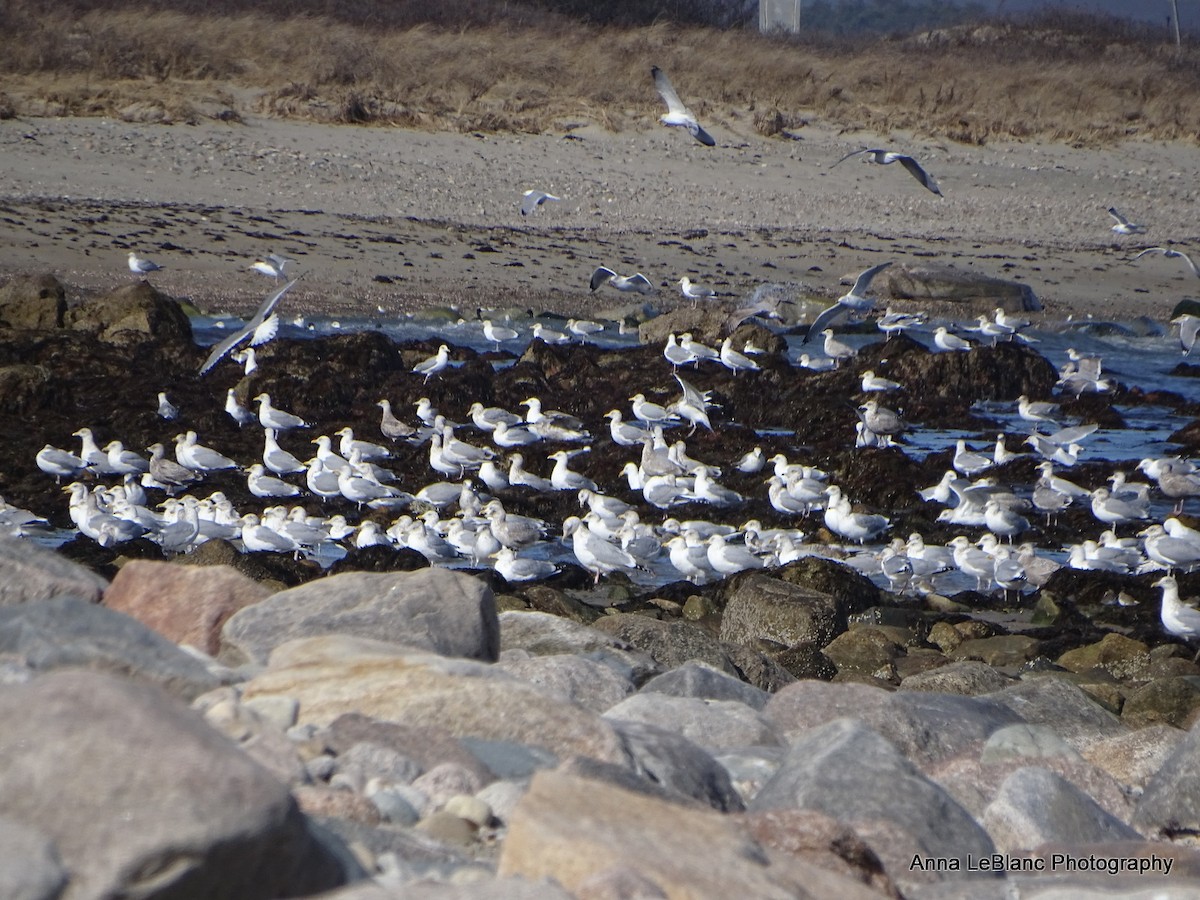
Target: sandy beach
399,219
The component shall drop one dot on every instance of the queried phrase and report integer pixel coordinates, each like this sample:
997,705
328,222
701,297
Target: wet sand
381,217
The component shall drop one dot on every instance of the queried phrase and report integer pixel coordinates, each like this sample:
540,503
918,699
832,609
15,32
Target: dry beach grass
1032,131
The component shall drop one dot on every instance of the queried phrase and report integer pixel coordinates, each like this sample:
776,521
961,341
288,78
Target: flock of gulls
477,454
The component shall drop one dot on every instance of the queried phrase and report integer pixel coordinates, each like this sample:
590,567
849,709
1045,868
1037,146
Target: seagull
237,412
60,463
246,358
434,364
197,457
513,568
247,330
272,266
533,199
583,328
880,419
260,484
278,460
594,553
695,292
549,335
271,417
391,427
1178,618
853,300
1036,411
946,342
735,361
650,413
837,350
677,114
166,409
143,267
636,283
1189,327
169,474
887,157
498,334
1124,226
968,462
872,382
1169,254
891,322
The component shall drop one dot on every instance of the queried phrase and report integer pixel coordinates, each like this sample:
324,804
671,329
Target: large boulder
33,301
132,313
432,609
29,574
576,831
141,798
976,292
849,772
66,632
186,604
336,675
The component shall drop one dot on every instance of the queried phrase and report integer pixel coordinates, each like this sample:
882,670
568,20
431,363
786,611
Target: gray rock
503,796
1171,800
142,798
543,634
263,740
394,807
847,771
465,888
591,684
680,766
66,631
926,281
967,677
750,768
715,725
33,301
669,644
695,679
926,727
1035,806
509,759
1073,715
1134,758
1024,742
430,609
426,746
29,865
446,780
29,573
131,314
759,607
366,761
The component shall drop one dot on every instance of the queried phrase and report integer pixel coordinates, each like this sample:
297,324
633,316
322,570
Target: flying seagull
1169,254
533,199
855,300
1124,226
272,266
248,329
677,114
887,157
623,283
143,267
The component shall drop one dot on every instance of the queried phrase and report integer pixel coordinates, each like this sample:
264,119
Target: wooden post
1175,20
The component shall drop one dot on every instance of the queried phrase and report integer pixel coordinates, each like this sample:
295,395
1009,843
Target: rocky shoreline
249,725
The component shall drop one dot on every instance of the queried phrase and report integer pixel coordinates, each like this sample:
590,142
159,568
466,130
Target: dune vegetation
493,66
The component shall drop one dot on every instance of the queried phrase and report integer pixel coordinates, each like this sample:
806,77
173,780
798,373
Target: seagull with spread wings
623,283
853,301
1170,254
531,200
677,114
887,157
249,329
1124,226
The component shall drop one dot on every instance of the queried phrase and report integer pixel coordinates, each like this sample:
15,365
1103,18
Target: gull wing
601,275
665,90
1117,217
915,170
268,306
534,199
864,280
701,135
852,153
821,322
266,331
641,283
